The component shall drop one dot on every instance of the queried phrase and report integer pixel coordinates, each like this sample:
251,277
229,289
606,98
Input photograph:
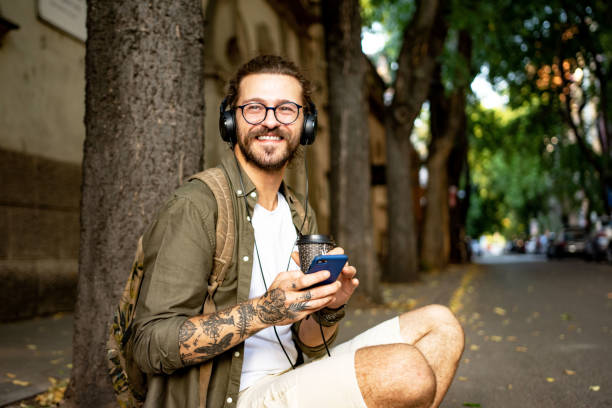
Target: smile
276,138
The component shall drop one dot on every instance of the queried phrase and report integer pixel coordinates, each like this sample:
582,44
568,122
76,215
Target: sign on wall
67,15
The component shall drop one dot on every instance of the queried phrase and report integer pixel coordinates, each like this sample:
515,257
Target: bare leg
437,334
394,376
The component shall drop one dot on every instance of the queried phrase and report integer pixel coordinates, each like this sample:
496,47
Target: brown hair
269,64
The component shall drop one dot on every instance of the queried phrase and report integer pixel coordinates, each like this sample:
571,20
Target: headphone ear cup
227,126
309,131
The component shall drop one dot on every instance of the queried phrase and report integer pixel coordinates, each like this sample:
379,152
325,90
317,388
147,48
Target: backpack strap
216,180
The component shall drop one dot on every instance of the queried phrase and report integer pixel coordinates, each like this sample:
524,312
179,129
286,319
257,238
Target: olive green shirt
179,247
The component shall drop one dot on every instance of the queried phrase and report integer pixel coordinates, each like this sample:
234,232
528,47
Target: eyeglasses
255,112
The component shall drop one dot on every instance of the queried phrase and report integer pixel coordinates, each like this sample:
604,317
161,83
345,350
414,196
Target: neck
267,182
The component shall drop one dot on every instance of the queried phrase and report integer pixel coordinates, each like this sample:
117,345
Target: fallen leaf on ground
569,372
609,295
562,337
56,361
31,347
521,349
509,386
471,404
474,347
511,338
466,360
10,375
550,379
594,388
461,378
500,311
21,383
566,316
496,339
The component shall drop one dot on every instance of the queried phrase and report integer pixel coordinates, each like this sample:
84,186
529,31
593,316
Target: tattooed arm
203,337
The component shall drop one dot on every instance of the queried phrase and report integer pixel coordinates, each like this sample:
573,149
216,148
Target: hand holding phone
331,263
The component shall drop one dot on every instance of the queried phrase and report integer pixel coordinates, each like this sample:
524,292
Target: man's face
270,144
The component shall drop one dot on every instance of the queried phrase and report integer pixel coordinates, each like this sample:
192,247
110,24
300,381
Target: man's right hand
287,300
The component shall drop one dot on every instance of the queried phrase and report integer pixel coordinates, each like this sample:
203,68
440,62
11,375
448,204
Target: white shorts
325,382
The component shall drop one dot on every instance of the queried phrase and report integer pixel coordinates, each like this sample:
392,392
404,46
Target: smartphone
331,263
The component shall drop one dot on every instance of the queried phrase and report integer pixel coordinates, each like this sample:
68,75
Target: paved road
538,334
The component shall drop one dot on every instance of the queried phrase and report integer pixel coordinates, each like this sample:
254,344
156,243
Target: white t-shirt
275,236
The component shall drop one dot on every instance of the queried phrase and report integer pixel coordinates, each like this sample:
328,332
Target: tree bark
447,116
351,204
144,134
458,171
416,62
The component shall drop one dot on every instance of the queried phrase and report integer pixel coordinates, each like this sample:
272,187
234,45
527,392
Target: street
538,334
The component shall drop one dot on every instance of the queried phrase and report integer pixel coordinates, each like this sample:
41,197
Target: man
265,315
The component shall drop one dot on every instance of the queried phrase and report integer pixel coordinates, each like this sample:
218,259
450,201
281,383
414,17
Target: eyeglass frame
272,108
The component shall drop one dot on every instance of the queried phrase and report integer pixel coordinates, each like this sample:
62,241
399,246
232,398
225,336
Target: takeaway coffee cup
310,246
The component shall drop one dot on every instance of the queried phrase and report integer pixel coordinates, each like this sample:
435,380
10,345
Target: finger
309,279
349,272
336,251
324,290
296,257
319,304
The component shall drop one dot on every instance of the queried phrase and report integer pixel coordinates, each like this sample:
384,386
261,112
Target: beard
268,157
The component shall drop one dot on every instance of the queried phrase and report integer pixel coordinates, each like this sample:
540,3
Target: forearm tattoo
246,313
217,329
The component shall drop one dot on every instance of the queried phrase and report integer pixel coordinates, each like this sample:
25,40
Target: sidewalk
32,351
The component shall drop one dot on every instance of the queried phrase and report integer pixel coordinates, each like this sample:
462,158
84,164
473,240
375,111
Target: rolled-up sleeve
179,250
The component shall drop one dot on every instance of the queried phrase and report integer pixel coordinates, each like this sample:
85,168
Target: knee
444,322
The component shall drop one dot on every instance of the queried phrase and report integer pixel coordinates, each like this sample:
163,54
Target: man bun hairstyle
269,64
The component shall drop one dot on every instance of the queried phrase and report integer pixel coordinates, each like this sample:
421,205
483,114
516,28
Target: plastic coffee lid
315,239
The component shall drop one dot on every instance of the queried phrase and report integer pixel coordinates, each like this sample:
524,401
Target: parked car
599,242
570,241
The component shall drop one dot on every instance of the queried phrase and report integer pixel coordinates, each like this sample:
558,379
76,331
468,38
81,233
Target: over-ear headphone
227,124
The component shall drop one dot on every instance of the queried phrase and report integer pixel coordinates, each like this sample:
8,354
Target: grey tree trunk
144,134
351,207
416,62
447,117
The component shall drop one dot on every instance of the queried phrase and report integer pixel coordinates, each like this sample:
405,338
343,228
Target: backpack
129,383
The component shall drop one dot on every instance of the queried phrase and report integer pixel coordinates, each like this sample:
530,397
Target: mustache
263,131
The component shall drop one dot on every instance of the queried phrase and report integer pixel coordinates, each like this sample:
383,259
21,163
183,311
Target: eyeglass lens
255,113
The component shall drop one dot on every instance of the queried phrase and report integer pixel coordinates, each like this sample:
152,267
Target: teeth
269,138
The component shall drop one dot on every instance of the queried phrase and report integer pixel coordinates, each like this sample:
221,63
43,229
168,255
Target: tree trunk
447,117
458,171
144,134
351,208
420,48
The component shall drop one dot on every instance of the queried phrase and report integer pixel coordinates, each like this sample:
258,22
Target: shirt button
253,194
245,258
230,400
248,218
237,354
239,192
